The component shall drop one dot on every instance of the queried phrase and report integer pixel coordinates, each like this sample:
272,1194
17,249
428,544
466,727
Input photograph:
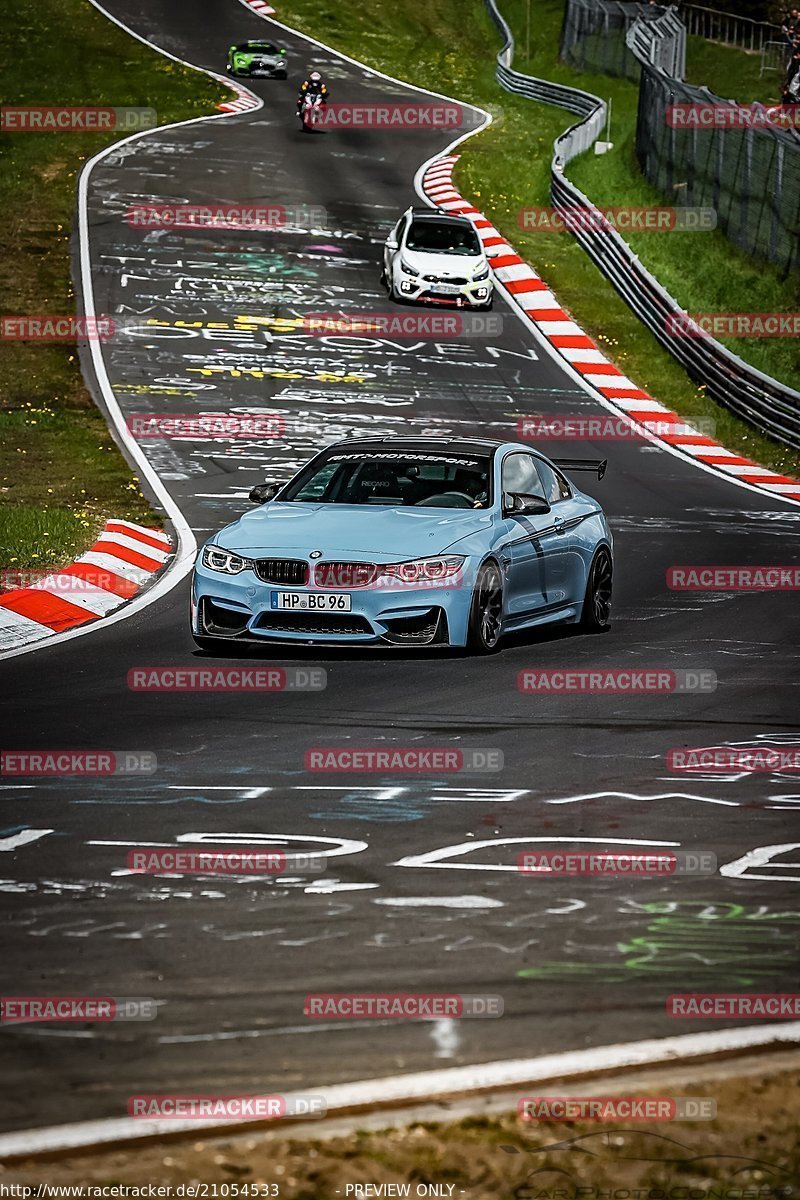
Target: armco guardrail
659,43
593,37
766,403
750,176
695,147
728,28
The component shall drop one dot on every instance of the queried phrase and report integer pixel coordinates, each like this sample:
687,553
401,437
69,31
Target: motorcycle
307,111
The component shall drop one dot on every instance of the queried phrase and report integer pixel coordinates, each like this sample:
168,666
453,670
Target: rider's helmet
315,77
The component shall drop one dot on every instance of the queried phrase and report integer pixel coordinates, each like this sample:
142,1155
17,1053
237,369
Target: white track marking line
423,1085
24,838
435,858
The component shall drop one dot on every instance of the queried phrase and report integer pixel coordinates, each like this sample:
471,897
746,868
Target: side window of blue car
555,485
520,477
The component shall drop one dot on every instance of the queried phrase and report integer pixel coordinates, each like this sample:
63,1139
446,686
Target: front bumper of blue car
245,609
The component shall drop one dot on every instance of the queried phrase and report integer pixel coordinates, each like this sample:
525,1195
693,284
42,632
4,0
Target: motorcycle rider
313,86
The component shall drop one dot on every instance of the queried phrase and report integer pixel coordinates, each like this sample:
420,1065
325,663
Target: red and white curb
123,559
245,101
585,357
261,7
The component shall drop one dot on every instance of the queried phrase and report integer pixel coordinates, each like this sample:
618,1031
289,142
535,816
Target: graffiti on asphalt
692,942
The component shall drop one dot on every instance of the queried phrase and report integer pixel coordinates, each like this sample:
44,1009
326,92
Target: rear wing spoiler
583,464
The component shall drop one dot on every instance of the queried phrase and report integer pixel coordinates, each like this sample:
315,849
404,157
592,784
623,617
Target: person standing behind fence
790,26
791,88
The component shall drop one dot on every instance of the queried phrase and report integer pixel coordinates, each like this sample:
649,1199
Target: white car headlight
217,559
404,266
428,572
481,273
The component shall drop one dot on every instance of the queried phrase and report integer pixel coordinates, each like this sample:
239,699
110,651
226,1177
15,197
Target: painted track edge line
186,545
452,1082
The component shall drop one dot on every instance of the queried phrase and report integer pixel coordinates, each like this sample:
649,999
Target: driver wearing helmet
313,86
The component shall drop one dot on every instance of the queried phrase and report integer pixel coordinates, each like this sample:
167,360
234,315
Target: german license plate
311,601
445,289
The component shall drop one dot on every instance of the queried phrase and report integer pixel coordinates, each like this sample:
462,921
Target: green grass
722,68
61,475
451,47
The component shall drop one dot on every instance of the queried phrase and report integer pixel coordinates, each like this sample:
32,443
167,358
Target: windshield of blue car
442,237
396,480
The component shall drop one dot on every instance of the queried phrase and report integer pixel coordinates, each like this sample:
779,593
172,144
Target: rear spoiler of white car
583,464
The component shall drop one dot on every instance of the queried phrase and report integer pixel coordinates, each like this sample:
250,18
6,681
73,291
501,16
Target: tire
596,611
486,610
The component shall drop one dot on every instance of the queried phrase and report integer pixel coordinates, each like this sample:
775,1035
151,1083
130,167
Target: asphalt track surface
231,960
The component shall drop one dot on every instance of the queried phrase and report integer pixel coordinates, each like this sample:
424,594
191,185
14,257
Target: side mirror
518,505
391,244
262,493
492,252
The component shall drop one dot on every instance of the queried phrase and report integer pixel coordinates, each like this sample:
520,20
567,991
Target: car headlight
404,266
425,571
217,559
483,273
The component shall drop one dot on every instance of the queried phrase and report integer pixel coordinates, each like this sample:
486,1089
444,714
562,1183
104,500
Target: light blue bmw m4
408,542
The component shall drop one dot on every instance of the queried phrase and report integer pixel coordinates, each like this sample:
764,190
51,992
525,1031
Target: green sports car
257,60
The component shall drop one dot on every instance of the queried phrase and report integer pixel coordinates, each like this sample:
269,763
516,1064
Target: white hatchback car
435,257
